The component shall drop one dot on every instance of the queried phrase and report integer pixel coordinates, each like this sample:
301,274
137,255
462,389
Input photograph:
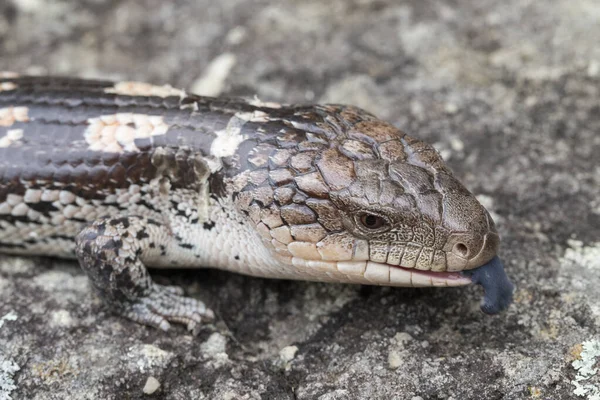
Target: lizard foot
166,304
112,252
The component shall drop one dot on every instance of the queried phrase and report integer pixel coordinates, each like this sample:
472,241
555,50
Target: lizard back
72,150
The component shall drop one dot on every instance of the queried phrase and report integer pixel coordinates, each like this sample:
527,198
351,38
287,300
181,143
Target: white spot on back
12,136
10,115
7,86
131,88
228,139
117,133
259,103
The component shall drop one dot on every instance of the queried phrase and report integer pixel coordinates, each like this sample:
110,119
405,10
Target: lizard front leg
112,251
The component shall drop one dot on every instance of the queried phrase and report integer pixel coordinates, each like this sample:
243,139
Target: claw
165,304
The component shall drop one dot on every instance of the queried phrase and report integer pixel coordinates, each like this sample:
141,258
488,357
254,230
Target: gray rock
508,91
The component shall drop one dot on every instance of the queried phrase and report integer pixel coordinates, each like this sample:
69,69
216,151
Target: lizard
123,176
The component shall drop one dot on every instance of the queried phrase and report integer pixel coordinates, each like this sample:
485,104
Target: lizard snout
467,251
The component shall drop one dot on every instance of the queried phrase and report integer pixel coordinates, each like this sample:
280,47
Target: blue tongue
498,289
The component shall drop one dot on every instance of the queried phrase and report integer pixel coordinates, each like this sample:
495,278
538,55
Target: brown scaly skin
128,175
355,165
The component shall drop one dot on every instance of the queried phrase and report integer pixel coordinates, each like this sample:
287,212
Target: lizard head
411,217
367,204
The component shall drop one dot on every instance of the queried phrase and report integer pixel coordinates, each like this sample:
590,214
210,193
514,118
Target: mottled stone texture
508,91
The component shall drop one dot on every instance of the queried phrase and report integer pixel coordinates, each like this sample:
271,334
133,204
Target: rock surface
508,91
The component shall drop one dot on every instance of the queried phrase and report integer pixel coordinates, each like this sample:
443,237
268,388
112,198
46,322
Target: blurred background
507,91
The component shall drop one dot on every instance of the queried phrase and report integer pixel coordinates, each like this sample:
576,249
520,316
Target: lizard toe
163,306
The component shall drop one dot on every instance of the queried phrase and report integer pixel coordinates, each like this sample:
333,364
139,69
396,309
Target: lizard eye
372,222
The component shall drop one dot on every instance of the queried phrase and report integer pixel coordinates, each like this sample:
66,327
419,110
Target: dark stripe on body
53,152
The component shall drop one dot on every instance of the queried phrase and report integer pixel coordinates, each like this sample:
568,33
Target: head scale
357,191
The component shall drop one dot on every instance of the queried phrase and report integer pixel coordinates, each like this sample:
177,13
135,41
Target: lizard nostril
461,249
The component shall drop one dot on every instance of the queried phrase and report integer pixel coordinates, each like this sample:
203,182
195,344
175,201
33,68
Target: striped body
327,193
84,151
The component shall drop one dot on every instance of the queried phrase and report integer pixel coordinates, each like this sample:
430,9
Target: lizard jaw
373,273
